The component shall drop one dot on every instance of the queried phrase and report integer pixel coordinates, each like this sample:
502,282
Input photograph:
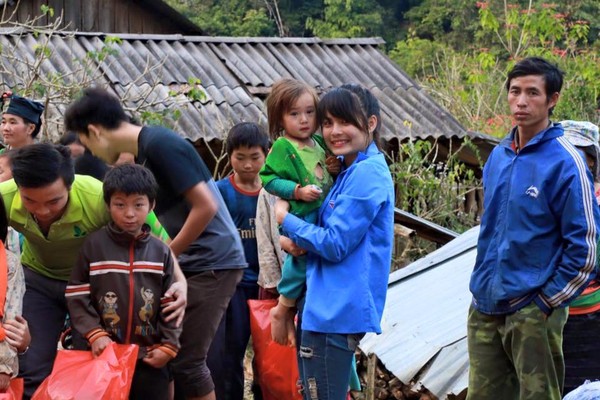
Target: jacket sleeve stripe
109,263
588,203
77,290
109,271
148,263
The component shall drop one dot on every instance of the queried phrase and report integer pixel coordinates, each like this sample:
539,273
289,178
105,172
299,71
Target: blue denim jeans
325,363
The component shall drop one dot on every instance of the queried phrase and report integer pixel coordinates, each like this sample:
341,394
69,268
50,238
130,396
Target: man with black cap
21,120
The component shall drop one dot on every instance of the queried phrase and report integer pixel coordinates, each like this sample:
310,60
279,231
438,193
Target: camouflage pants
517,356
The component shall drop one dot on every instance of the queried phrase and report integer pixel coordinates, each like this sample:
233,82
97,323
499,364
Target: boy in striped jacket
116,288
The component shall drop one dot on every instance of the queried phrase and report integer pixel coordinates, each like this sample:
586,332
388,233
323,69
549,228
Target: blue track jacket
539,228
350,251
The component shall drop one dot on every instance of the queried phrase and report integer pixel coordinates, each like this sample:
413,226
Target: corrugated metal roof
236,74
424,325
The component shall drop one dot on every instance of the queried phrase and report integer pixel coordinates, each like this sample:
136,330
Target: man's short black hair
41,164
553,76
129,179
95,106
247,134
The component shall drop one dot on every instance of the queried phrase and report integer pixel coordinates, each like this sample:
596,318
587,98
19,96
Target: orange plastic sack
276,365
15,390
77,375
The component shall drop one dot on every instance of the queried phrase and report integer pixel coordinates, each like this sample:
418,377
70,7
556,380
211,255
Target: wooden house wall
109,16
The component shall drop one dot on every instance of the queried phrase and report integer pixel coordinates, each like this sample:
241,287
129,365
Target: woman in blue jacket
350,250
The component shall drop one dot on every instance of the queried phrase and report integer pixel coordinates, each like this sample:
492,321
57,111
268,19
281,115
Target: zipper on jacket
505,221
131,293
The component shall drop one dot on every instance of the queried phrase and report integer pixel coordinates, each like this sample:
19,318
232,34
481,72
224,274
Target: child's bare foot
280,318
290,328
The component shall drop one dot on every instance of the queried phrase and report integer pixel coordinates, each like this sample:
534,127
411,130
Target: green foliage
348,18
433,190
447,22
196,93
235,18
418,57
294,14
470,82
46,10
109,48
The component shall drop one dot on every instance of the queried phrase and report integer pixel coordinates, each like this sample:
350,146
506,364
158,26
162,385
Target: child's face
300,121
247,162
129,212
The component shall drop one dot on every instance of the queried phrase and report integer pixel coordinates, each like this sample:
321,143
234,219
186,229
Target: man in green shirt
55,210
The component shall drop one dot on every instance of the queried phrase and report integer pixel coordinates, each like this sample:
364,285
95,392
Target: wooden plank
371,372
89,22
72,14
34,11
136,17
7,11
121,21
106,21
58,6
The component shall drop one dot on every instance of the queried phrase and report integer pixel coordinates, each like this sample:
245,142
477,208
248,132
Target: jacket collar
371,150
124,238
553,131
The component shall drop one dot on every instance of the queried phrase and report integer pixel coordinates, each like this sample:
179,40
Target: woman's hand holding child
333,165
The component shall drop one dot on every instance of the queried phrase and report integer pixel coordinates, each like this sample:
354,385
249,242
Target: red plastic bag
15,390
77,375
276,365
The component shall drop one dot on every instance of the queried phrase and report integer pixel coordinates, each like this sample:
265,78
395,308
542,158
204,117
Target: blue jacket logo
532,191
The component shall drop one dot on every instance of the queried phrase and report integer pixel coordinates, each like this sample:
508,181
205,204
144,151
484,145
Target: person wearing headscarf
581,347
21,120
584,135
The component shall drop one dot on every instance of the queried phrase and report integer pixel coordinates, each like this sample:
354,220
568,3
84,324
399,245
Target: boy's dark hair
369,103
41,164
283,94
95,106
553,76
247,134
129,179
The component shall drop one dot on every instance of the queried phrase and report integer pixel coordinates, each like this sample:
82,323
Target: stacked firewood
380,384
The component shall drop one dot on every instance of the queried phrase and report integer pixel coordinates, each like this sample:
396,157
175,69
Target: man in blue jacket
536,250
